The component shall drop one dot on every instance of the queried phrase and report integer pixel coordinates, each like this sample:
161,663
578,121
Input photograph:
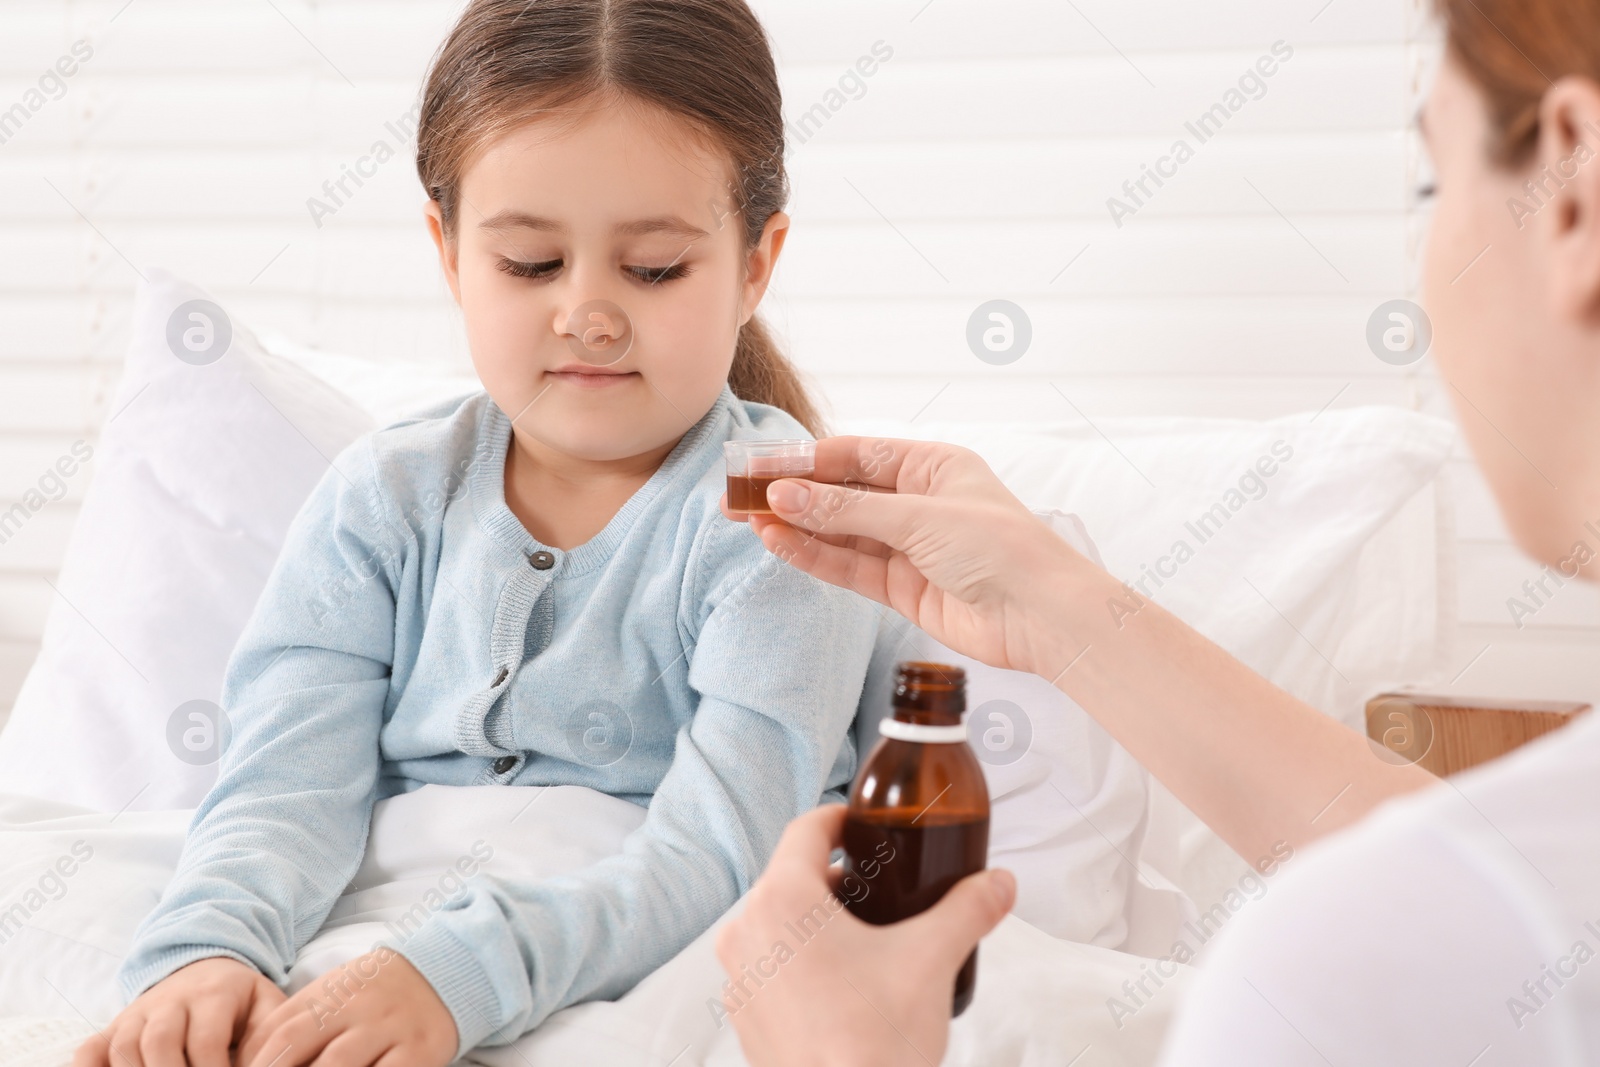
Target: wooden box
1445,734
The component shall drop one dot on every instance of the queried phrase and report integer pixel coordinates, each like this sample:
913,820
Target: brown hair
707,61
1513,50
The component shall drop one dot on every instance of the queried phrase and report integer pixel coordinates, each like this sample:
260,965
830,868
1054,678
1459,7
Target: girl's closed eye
544,270
530,270
653,275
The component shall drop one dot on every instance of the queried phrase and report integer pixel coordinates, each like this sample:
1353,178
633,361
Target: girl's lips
593,380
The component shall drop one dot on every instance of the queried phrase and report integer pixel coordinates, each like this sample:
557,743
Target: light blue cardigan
414,632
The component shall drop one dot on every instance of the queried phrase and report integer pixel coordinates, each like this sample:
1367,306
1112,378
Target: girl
534,585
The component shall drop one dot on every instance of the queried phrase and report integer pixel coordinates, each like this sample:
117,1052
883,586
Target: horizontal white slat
81,326
1077,336
1025,399
1261,255
1495,575
219,39
1340,173
26,461
35,541
818,30
15,659
55,330
1533,664
1477,513
71,398
1319,89
24,603
1316,90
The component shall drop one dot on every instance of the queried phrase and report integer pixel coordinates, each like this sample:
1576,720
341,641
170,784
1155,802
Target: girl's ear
448,257
763,260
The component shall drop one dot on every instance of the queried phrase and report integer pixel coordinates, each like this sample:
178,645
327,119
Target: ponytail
763,374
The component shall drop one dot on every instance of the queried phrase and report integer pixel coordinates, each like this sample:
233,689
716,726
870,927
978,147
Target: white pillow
200,468
1269,581
1328,585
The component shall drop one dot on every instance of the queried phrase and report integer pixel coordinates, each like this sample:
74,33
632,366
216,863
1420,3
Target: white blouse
1459,926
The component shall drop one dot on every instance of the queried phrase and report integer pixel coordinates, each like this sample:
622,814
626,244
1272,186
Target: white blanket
1039,1000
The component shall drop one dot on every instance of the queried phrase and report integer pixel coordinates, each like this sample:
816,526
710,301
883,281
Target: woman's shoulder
1423,922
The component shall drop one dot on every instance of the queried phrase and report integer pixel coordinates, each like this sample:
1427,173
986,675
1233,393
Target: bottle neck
921,732
927,703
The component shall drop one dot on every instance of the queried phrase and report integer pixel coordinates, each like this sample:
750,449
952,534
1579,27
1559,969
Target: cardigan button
504,764
542,560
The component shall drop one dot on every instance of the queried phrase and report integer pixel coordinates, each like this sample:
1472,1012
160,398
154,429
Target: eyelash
1427,192
544,270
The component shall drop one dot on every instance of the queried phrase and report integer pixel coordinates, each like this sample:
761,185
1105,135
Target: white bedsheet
1040,1000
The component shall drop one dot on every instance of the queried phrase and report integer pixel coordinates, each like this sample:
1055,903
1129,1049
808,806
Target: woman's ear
448,255
1567,174
763,260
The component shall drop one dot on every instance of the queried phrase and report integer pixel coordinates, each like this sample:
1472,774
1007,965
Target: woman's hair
1513,50
707,61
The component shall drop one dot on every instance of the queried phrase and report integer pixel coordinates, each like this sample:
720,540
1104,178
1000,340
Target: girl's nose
598,331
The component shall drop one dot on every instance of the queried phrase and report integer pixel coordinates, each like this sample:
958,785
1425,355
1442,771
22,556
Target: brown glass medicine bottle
918,818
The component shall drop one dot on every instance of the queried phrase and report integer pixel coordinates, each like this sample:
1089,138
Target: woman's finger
865,545
808,841
848,568
871,460
964,915
836,510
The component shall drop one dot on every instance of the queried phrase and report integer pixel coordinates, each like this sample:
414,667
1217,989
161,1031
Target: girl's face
603,276
1514,296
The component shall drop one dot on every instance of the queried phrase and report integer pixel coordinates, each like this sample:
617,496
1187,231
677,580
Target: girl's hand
375,1009
192,1016
930,531
852,995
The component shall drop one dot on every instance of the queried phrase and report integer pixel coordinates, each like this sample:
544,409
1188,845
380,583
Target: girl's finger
258,1023
161,1039
97,1051
210,1031
292,1042
402,1056
360,1046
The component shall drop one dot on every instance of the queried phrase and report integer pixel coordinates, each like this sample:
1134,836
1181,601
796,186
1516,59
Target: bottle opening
932,693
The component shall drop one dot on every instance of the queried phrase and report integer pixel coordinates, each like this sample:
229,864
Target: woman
1456,925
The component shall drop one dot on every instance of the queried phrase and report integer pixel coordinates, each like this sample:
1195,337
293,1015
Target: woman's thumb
825,508
974,906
